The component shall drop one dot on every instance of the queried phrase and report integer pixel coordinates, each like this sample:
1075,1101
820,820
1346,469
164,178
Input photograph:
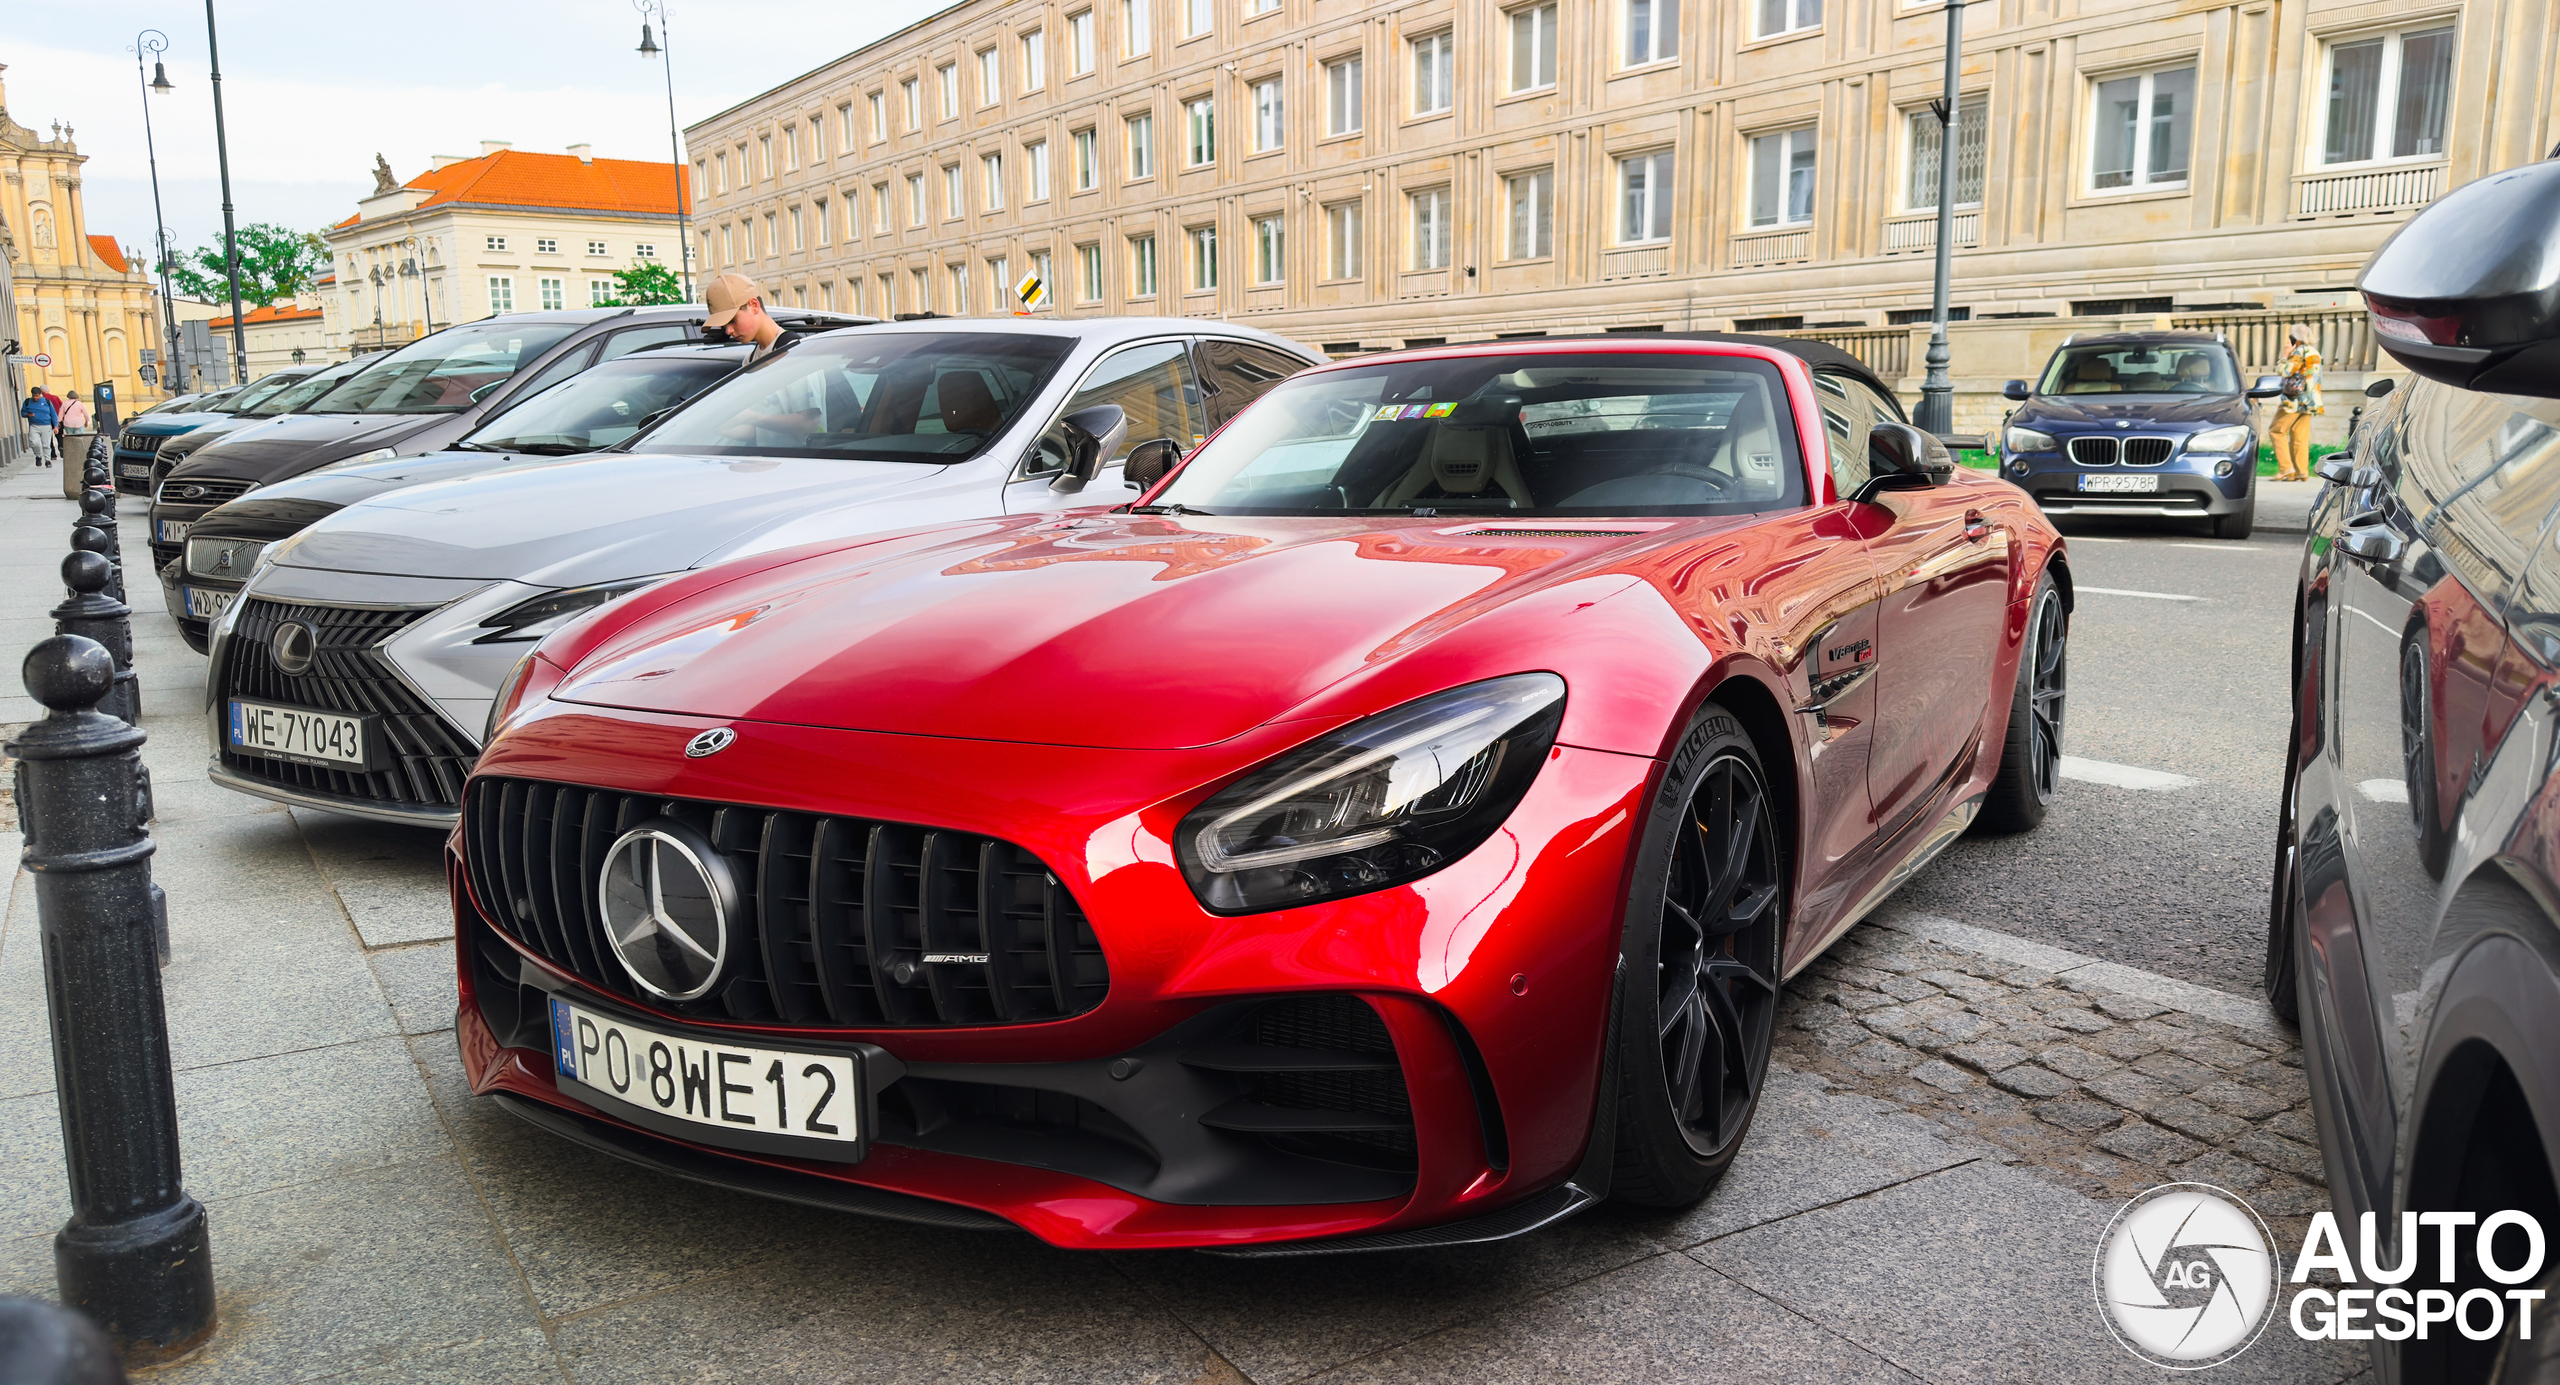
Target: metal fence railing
1886,352
2344,336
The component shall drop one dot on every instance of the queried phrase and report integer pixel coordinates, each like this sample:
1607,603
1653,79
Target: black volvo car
2414,927
2144,424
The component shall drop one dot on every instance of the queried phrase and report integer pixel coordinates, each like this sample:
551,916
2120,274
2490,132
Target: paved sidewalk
1916,1202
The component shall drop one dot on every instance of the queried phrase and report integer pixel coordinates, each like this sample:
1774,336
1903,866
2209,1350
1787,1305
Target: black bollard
47,1344
98,503
135,1255
89,538
92,614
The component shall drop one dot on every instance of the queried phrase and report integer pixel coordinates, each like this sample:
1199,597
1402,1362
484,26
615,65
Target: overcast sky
311,91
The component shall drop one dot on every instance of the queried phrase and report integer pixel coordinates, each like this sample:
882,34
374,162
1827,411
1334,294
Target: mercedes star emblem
710,742
294,645
665,896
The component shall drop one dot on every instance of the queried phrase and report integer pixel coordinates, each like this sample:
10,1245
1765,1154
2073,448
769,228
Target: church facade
81,300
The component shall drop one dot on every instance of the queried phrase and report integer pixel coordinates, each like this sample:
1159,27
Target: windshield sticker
1412,411
1441,410
1386,412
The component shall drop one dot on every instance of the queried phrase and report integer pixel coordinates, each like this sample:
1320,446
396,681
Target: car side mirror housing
2380,388
2338,469
2467,291
1091,435
2015,389
1149,461
2266,387
1900,458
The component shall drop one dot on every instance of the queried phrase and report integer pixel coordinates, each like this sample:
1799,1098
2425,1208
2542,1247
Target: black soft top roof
1821,355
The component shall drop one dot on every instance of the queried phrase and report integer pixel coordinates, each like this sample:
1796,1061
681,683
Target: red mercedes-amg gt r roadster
1392,829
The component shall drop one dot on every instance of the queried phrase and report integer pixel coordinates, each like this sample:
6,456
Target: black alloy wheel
2417,753
2048,684
1716,969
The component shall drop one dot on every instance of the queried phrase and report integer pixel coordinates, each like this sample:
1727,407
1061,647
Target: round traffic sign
45,359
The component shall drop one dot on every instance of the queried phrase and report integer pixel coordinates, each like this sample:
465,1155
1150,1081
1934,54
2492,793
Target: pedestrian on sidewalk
2291,430
44,423
75,415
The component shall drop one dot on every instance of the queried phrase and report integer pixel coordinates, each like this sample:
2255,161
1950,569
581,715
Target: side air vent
1321,1079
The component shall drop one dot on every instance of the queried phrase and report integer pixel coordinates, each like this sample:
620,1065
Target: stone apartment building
1361,174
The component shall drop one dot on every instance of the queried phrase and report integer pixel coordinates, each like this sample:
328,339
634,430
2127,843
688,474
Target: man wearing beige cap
737,308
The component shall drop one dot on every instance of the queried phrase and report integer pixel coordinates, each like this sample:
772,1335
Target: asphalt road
2170,879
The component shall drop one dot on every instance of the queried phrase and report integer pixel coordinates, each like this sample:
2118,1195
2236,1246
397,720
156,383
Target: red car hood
1119,631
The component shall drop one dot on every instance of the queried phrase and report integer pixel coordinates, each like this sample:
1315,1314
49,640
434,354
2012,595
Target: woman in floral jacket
2291,430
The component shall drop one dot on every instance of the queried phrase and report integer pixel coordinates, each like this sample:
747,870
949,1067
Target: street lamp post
649,48
153,43
1937,412
230,238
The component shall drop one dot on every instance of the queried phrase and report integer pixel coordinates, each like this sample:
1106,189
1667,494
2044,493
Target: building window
922,282
790,147
2387,97
720,172
1035,60
1653,31
957,275
1268,131
1434,67
764,146
1782,178
1198,17
1788,16
994,166
497,245
954,193
728,247
1137,23
502,294
1533,48
553,294
772,234
1080,43
1264,6
990,77
818,215
599,293
595,247
1342,96
1200,130
879,209
701,178
879,105
799,231
1928,136
1089,273
2141,129
1644,198
915,199
914,103
999,284
1204,259
844,142
645,250
1088,162
1270,249
1532,203
1431,228
1035,171
948,75
1142,146
546,245
1142,266
1342,240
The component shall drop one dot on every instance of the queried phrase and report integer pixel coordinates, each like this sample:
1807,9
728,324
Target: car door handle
1976,528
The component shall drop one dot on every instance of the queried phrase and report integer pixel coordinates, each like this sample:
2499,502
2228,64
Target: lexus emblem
710,742
666,897
293,646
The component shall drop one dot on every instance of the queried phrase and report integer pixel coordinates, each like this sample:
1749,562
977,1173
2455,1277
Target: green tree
645,284
276,262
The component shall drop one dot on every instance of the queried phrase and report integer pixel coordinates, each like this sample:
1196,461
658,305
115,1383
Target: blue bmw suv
2139,423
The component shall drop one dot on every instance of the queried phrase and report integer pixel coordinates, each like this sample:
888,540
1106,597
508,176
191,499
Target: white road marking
2234,547
2152,596
2384,790
2122,776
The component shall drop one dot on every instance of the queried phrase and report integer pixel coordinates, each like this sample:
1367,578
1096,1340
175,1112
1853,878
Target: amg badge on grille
710,742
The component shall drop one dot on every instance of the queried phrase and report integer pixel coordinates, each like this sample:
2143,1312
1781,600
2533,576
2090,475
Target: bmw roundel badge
710,742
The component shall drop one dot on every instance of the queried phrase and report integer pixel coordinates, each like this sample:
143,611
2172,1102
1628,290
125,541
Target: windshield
891,397
2202,368
264,388
440,374
301,392
595,410
212,403
1616,433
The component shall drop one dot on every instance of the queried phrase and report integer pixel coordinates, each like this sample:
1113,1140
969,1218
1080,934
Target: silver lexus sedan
356,670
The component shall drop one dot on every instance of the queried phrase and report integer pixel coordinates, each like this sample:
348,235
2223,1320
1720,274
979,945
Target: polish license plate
759,1098
296,733
135,470
207,605
173,530
2143,485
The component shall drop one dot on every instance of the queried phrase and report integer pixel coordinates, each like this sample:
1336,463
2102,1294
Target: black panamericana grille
840,913
423,759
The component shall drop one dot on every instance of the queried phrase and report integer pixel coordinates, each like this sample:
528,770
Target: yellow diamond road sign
1033,291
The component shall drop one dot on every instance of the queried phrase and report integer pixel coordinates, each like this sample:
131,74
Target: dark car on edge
2414,927
586,413
2139,424
138,446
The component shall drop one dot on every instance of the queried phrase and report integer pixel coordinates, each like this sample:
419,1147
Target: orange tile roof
513,177
276,313
104,247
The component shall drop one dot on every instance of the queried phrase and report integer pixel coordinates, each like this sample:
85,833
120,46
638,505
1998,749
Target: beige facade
283,334
1362,175
80,299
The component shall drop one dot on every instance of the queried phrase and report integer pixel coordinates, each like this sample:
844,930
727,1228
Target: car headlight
2029,440
1387,799
510,688
2230,439
379,454
533,619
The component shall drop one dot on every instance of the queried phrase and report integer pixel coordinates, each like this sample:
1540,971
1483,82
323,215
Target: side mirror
1149,461
2266,387
2338,469
2015,389
2467,291
2380,388
1900,458
1091,435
